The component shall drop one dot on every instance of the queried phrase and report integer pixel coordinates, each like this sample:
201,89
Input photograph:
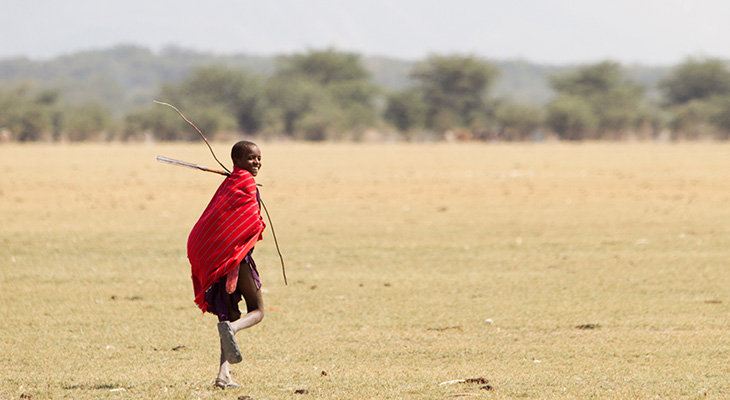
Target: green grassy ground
408,266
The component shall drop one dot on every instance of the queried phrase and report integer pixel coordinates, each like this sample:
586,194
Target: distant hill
127,77
123,77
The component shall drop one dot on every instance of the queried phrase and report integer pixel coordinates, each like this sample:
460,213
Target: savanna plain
552,271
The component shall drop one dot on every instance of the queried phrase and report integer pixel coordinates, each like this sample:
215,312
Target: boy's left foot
222,384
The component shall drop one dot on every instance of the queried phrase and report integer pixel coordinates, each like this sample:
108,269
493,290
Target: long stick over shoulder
172,161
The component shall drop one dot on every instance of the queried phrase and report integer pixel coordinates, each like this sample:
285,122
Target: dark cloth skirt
224,304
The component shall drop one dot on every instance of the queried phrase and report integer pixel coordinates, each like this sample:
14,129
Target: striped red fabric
228,229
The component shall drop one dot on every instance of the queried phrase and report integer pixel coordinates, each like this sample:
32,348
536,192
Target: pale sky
649,32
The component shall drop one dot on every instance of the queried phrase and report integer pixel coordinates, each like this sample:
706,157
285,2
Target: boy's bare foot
223,384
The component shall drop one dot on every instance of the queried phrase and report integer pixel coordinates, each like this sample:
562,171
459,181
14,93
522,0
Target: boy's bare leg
252,296
224,372
254,312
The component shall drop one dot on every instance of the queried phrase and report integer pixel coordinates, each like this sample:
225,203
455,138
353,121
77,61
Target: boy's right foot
228,343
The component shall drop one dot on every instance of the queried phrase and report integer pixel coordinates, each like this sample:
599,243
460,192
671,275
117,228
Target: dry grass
397,255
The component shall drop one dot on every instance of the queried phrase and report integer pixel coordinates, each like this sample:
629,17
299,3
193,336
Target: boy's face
250,160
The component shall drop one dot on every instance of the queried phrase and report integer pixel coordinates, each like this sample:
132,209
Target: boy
219,250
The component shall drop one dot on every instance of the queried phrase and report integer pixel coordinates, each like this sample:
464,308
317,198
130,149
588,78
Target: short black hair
238,149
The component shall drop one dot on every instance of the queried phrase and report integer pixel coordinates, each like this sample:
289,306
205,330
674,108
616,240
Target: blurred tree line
329,95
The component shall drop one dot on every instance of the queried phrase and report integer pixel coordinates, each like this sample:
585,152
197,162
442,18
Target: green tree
12,101
159,122
134,125
321,94
289,100
702,118
518,121
87,122
453,89
696,94
405,110
355,100
33,123
720,116
696,80
324,67
228,91
619,109
615,105
690,120
589,80
30,114
571,118
321,123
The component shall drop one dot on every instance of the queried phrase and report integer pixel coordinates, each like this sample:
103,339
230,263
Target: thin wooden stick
173,161
281,258
198,130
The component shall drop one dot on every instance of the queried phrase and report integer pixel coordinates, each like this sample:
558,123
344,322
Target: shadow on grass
101,386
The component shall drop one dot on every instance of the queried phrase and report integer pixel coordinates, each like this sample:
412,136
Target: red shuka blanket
228,229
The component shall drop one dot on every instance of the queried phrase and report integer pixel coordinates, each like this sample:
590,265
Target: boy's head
246,155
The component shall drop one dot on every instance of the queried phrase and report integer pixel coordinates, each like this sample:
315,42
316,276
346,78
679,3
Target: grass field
408,266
